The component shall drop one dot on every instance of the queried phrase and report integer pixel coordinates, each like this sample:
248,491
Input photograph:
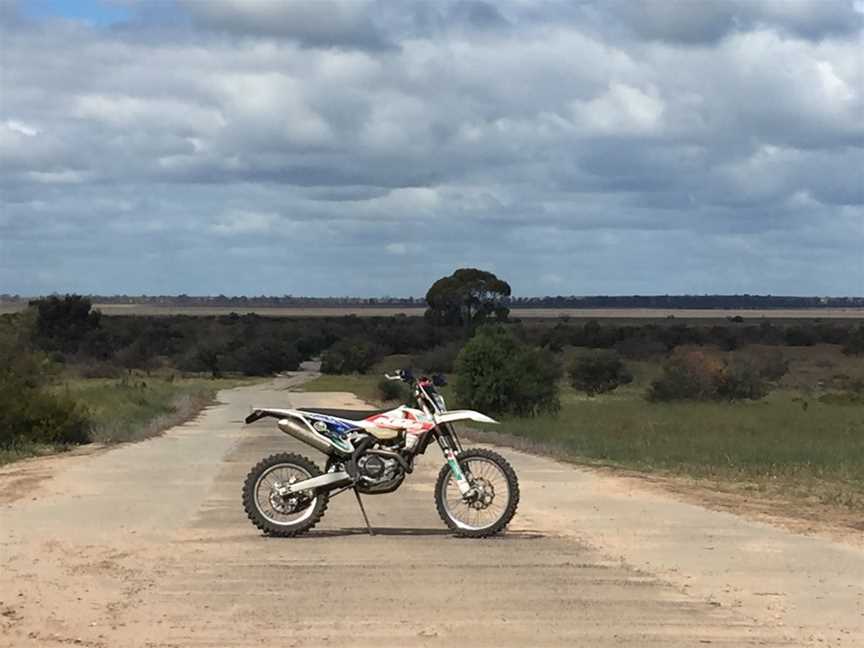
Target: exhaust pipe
306,435
333,480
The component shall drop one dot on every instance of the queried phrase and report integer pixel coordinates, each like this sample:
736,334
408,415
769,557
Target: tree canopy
467,298
63,323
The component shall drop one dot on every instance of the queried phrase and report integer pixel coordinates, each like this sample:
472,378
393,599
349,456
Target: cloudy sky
369,147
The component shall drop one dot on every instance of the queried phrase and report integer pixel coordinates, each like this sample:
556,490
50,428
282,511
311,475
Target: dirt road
147,545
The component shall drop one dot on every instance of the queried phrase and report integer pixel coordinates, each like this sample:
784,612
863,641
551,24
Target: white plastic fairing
463,415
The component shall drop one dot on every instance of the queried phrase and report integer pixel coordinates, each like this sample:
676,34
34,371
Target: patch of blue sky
95,12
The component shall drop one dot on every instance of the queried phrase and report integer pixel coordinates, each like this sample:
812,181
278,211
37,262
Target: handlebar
404,375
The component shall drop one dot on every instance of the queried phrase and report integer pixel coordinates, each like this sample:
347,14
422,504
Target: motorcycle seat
349,415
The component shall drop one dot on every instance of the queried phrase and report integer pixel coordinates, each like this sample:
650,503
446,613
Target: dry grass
138,406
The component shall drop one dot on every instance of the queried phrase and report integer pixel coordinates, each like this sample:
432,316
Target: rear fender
263,412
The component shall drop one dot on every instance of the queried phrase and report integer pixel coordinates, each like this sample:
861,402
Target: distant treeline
69,331
743,302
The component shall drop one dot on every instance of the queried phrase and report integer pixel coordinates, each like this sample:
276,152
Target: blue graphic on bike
332,427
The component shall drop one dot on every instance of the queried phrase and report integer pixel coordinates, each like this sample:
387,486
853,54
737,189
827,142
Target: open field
803,443
815,453
147,545
528,313
785,445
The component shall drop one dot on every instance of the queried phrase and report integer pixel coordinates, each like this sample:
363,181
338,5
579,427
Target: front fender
463,415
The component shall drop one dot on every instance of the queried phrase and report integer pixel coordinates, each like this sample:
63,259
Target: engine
377,469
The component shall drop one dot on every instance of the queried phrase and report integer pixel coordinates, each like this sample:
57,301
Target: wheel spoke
489,478
264,489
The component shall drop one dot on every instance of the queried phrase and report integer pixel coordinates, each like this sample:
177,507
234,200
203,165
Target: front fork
450,445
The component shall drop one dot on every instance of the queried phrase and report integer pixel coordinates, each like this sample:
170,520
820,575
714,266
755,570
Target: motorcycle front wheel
493,504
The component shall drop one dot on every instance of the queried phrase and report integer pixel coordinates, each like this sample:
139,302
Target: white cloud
142,112
20,127
621,110
66,176
579,131
245,222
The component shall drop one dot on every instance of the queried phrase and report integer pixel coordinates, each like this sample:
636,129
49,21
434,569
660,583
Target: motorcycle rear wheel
500,494
263,505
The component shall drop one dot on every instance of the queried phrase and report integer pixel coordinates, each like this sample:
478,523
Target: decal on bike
454,466
458,475
411,421
333,428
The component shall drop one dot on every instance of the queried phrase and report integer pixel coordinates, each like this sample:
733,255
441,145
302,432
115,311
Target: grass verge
137,407
782,445
133,408
364,386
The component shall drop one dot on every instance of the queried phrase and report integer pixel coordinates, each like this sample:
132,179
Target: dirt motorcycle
371,453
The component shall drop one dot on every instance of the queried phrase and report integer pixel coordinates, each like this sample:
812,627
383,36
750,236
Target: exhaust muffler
306,435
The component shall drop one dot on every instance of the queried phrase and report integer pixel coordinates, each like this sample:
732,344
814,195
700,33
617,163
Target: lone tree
63,323
467,298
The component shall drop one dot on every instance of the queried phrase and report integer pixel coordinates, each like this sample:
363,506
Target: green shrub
207,357
498,374
135,356
855,344
559,336
441,359
97,369
842,398
771,364
699,376
392,390
803,335
599,372
263,358
640,348
351,356
741,380
28,412
686,376
37,416
536,386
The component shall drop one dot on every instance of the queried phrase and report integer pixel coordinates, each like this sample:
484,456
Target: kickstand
363,511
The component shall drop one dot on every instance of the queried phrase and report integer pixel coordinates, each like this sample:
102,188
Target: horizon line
385,298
